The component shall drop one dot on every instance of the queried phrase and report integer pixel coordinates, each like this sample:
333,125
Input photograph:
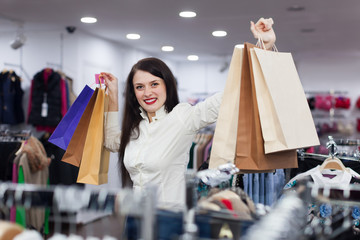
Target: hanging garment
328,215
11,96
45,105
7,153
310,163
34,164
326,176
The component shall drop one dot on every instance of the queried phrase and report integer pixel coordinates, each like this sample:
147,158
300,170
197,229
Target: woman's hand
263,29
111,83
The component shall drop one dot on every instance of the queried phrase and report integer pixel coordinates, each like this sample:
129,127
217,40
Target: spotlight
19,40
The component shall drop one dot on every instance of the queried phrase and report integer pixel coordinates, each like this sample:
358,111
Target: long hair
131,116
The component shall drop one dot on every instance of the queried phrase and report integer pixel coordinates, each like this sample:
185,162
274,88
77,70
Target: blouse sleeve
202,114
112,131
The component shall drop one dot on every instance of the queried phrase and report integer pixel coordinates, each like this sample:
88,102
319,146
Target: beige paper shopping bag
285,116
250,154
95,158
224,140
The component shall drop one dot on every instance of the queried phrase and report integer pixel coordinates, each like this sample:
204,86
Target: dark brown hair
131,116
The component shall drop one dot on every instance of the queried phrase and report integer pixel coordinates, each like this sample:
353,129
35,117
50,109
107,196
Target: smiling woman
150,92
157,131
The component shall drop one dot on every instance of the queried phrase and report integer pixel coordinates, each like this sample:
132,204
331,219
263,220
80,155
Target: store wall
333,72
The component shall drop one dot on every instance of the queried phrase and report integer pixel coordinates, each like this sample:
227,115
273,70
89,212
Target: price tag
44,106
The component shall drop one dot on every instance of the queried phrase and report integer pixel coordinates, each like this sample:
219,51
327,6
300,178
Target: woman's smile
150,101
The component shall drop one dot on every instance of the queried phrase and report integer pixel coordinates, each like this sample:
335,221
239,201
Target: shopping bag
65,129
286,120
224,140
250,153
94,164
75,148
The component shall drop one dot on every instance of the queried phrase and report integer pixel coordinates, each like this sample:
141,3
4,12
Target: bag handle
260,44
100,82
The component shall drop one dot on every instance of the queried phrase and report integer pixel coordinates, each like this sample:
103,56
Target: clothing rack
348,195
304,155
211,177
20,66
348,142
285,221
327,92
332,146
54,65
14,136
73,199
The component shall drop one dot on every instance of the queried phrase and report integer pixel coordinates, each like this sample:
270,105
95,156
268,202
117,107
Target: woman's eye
138,87
155,84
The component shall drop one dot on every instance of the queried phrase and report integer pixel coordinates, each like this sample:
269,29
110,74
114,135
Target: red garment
324,102
358,103
227,203
342,102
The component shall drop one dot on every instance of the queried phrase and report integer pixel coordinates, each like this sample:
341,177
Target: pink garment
324,102
30,100
63,97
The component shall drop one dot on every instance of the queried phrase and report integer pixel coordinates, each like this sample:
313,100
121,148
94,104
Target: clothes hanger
332,162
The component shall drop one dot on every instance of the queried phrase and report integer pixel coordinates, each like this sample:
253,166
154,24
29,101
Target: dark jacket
11,95
49,85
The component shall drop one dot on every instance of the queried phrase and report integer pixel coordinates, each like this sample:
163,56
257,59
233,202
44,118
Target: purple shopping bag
65,129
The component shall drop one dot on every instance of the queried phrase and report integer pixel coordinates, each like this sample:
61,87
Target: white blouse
161,153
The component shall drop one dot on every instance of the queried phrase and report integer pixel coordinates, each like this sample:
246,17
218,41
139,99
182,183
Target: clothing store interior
281,160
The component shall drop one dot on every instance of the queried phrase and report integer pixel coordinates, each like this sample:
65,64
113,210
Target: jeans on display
169,225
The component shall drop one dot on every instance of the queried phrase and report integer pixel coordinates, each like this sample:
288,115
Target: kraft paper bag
65,129
250,153
95,158
75,148
224,140
285,116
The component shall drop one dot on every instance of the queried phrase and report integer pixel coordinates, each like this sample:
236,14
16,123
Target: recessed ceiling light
295,8
193,57
219,33
167,48
88,20
187,14
133,36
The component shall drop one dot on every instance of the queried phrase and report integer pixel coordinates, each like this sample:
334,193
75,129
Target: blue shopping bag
65,129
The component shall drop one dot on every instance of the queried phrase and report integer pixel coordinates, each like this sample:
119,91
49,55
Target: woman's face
150,92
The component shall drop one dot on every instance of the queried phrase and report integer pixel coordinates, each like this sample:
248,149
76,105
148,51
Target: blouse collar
158,114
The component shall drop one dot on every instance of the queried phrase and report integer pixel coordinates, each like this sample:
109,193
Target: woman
157,130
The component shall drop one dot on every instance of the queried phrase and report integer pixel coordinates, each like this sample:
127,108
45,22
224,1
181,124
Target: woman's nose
147,91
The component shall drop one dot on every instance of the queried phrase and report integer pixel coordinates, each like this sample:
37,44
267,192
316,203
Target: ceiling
323,25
